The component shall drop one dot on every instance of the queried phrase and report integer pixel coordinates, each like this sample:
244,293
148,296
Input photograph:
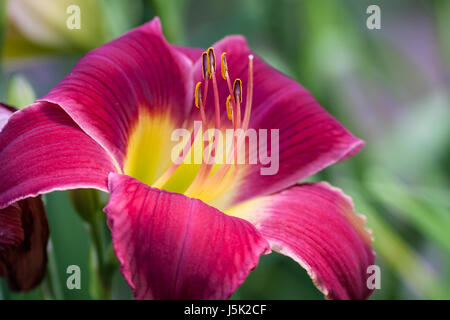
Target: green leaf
396,252
171,14
70,242
430,219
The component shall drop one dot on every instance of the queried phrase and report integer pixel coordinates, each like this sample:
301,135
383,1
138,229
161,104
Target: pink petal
316,225
310,139
23,244
174,247
42,149
106,89
192,53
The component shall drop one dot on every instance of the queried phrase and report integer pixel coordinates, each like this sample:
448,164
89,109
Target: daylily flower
23,236
192,231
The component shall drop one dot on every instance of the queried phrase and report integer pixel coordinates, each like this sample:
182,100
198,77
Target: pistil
248,104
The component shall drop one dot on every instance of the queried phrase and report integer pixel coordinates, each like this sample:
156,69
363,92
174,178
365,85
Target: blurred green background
389,86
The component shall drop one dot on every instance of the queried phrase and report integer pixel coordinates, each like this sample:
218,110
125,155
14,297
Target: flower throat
210,180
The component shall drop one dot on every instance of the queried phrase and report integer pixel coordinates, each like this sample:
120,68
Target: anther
224,66
229,108
205,66
237,89
212,60
198,94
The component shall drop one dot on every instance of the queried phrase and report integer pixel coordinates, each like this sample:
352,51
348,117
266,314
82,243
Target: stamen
205,91
237,93
212,64
226,76
229,109
204,186
205,169
218,177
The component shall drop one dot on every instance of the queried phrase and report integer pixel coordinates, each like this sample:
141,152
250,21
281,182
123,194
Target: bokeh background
389,86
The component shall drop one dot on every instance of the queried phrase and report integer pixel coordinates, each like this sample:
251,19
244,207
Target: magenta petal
42,149
315,224
192,53
310,139
106,89
174,247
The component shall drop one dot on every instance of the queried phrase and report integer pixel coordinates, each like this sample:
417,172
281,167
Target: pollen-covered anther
237,90
198,95
224,66
212,60
229,105
205,65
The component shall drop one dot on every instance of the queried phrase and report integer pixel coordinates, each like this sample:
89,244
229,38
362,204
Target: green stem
52,280
87,204
96,232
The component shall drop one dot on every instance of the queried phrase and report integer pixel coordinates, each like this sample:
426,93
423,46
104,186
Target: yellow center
149,155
